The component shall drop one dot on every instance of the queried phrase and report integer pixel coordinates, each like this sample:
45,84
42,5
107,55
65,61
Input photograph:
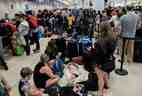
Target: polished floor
129,85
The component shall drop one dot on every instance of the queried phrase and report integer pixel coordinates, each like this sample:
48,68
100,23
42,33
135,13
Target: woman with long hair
100,60
104,49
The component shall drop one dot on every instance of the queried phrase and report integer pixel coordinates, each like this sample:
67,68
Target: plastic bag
19,51
20,40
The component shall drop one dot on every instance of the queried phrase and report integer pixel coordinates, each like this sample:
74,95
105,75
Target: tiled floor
129,85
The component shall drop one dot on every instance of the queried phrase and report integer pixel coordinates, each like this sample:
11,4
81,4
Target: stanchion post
122,71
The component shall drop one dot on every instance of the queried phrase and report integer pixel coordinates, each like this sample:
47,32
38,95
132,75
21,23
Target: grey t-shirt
128,25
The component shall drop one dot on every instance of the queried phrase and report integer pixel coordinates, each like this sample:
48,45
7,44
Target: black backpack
53,90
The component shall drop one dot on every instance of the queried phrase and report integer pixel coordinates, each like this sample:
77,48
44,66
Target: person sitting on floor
44,76
25,87
51,49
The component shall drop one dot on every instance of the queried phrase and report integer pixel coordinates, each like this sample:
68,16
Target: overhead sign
99,5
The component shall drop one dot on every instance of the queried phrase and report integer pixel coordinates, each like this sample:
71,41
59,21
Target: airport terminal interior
70,47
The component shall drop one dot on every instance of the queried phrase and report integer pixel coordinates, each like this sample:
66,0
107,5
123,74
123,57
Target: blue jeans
58,67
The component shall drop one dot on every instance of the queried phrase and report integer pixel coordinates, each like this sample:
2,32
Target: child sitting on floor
25,87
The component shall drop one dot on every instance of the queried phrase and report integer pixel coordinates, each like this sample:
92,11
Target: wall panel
19,5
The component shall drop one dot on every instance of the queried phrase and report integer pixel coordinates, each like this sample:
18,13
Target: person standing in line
129,21
23,29
33,23
139,27
11,29
2,60
36,35
65,21
103,53
115,20
51,24
98,20
70,19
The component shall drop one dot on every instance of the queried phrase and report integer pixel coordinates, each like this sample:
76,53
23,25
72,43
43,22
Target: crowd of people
82,37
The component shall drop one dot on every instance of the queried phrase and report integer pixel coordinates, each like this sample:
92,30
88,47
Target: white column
83,3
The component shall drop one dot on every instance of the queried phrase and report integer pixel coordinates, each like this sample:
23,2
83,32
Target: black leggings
27,47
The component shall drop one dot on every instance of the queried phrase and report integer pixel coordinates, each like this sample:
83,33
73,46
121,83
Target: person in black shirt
44,76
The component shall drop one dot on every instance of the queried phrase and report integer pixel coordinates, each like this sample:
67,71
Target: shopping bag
19,51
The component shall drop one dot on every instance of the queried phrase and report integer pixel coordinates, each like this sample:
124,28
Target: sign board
99,5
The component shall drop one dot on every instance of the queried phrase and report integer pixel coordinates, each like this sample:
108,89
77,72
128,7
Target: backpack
10,25
53,90
7,30
33,22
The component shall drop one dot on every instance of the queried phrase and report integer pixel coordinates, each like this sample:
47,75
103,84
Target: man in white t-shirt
23,30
